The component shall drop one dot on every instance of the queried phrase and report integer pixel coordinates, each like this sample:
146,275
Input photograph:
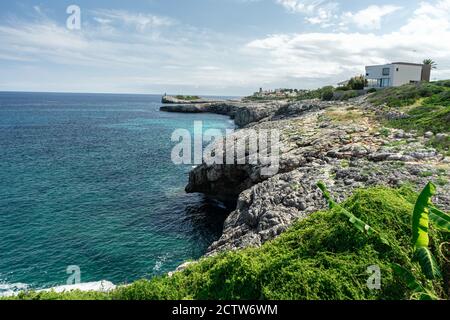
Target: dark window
386,71
397,69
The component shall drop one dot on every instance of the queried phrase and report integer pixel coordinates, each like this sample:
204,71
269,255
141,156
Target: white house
396,74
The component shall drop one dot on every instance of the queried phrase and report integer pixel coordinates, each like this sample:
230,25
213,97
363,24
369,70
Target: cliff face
242,113
186,100
342,144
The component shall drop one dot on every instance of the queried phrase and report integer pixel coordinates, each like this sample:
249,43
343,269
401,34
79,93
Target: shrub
357,83
372,90
327,93
343,88
349,95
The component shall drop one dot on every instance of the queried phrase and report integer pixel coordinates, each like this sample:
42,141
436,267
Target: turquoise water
87,180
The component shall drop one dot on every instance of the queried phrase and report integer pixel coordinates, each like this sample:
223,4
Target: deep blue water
87,180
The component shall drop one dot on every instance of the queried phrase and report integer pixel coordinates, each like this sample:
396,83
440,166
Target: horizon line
119,93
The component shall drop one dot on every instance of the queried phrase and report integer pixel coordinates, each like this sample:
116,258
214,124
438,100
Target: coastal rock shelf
186,100
337,142
242,113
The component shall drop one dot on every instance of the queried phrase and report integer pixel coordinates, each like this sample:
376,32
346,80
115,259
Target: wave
7,290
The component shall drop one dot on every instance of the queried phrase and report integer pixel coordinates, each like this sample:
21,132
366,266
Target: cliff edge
344,144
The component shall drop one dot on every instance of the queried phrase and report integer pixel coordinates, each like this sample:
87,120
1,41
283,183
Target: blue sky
219,47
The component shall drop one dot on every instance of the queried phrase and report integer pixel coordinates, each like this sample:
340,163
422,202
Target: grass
427,106
406,95
344,115
319,258
442,181
188,98
426,174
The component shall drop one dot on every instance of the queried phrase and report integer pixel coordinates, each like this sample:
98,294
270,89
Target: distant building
343,83
396,74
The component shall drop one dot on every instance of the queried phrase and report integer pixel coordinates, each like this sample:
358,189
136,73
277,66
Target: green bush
327,93
343,88
408,94
349,95
357,83
180,97
372,90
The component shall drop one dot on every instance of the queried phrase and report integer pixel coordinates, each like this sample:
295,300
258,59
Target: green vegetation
406,95
385,132
357,83
327,93
441,181
430,62
424,211
187,98
349,95
427,106
320,257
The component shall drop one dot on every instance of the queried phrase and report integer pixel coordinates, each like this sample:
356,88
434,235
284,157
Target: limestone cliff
341,143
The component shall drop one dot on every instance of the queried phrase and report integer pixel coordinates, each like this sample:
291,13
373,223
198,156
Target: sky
212,47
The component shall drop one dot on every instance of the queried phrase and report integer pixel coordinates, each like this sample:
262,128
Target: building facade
396,74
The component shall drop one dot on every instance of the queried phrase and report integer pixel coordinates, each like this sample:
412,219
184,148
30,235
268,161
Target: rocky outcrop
242,113
177,100
339,143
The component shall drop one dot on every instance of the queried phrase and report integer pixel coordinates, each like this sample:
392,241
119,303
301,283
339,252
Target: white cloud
106,54
325,13
141,22
303,6
317,12
332,56
369,18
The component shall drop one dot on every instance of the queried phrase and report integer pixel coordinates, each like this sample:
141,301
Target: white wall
376,72
406,73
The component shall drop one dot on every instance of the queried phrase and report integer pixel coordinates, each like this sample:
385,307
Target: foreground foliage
321,257
423,212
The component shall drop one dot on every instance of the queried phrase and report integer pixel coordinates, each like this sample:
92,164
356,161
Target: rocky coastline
341,143
166,99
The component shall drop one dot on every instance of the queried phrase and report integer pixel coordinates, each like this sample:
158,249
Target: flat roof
401,63
409,64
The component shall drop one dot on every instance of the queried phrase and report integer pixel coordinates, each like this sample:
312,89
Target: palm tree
430,62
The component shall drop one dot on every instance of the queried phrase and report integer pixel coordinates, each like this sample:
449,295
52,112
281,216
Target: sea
87,184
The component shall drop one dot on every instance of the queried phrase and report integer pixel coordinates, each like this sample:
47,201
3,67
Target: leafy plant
358,82
430,62
327,93
356,222
418,290
423,213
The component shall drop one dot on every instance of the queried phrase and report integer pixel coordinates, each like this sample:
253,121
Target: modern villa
396,74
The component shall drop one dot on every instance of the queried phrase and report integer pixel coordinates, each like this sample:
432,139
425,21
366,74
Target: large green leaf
427,262
420,220
440,219
408,277
327,195
356,222
412,283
